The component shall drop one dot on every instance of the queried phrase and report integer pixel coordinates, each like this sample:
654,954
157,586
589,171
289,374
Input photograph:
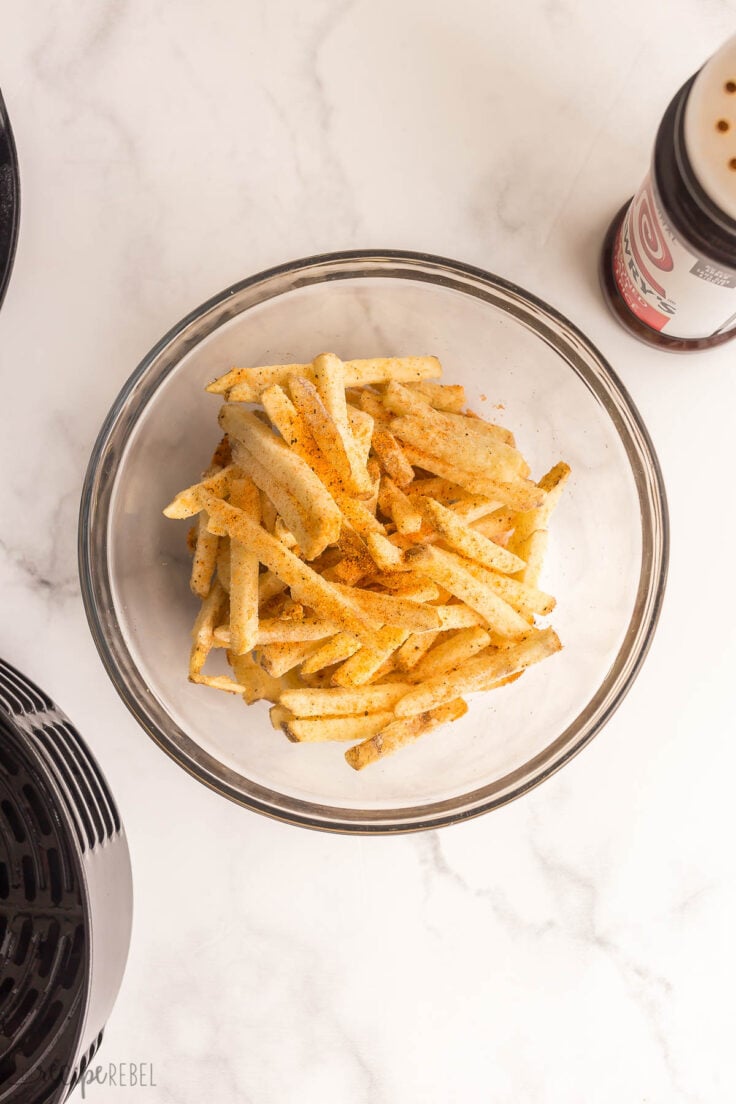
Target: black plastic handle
9,199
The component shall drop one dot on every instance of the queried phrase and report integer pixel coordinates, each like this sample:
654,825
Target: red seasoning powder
668,266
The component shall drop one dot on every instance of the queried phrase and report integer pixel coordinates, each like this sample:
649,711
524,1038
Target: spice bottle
668,264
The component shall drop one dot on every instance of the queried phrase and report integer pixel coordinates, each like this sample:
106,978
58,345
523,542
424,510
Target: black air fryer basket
65,898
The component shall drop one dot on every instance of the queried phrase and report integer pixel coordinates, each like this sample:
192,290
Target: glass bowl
520,362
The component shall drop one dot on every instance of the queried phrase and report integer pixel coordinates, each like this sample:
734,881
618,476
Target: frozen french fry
402,732
446,570
477,673
247,384
366,550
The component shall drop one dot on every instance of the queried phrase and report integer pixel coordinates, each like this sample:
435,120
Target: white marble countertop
575,946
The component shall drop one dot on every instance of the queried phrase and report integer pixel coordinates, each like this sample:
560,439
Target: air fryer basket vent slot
42,931
75,801
59,831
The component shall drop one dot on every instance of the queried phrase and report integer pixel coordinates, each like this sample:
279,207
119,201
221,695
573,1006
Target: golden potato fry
247,384
370,403
458,616
269,513
422,592
316,520
291,611
218,682
465,450
410,402
286,536
477,673
223,564
205,559
362,427
269,585
210,615
336,649
306,585
534,549
350,571
319,729
353,547
468,541
498,431
402,401
402,732
479,441
257,684
395,504
497,525
496,684
374,471
441,396
363,665
274,630
329,437
414,648
292,513
244,569
391,457
185,503
449,572
554,480
495,437
526,599
405,584
328,373
355,425
310,628
296,432
279,715
340,702
386,672
398,581
521,495
358,516
552,484
451,494
291,425
390,609
384,553
451,652
284,417
277,659
293,428
473,508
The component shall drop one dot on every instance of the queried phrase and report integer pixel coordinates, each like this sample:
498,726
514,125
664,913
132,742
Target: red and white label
663,282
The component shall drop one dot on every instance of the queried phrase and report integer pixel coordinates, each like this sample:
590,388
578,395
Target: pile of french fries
365,550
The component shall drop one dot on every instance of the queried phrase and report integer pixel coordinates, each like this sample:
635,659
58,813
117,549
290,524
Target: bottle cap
710,128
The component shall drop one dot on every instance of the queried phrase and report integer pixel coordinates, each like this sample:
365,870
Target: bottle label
663,282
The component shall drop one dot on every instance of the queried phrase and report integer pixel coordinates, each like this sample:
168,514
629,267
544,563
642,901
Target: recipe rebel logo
117,1075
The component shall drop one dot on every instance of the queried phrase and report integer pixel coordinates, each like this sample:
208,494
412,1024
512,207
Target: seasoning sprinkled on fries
366,551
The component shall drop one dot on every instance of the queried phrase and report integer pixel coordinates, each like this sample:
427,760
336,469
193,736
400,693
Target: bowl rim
606,386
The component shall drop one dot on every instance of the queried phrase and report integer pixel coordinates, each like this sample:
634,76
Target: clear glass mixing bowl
606,564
